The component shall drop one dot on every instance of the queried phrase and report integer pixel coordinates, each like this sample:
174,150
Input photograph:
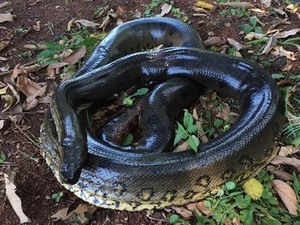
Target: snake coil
140,177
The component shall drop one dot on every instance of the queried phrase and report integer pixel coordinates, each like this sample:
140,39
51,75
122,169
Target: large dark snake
147,175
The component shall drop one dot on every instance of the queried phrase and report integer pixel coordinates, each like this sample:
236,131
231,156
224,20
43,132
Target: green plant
2,157
231,203
235,12
57,196
175,219
130,98
247,28
292,130
76,39
174,11
187,131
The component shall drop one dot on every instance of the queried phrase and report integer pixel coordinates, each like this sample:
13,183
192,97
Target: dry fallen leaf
288,150
1,124
87,23
271,43
183,211
212,41
75,56
165,9
267,3
287,195
200,206
283,160
235,44
3,44
28,87
280,173
285,34
4,4
280,51
237,4
13,198
60,214
6,17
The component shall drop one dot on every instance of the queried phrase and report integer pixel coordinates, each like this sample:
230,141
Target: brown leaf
285,34
271,43
288,150
165,9
87,23
287,195
4,44
214,40
280,173
203,209
1,124
60,214
14,91
9,101
280,51
4,4
235,44
28,87
283,160
6,17
183,211
13,198
267,3
75,56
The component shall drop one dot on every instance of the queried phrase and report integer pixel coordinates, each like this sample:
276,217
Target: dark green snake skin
148,175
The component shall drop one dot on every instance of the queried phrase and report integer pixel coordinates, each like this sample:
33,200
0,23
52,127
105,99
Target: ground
34,180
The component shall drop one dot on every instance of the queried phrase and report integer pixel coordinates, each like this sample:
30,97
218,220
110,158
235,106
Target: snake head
70,172
71,162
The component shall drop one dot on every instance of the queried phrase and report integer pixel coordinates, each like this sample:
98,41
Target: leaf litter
109,17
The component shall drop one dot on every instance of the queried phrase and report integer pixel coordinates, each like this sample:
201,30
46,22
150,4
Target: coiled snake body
148,175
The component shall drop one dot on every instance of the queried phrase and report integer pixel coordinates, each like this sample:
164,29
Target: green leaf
141,91
243,203
128,101
246,216
188,119
193,142
127,140
173,219
296,141
218,123
273,201
218,214
230,185
192,129
258,30
57,196
181,134
277,76
296,183
2,157
247,28
253,21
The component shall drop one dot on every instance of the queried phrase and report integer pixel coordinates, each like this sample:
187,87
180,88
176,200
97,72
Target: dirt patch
34,180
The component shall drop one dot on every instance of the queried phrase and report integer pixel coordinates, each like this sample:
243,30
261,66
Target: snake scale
142,177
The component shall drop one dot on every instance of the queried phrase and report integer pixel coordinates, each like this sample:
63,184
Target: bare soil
34,181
